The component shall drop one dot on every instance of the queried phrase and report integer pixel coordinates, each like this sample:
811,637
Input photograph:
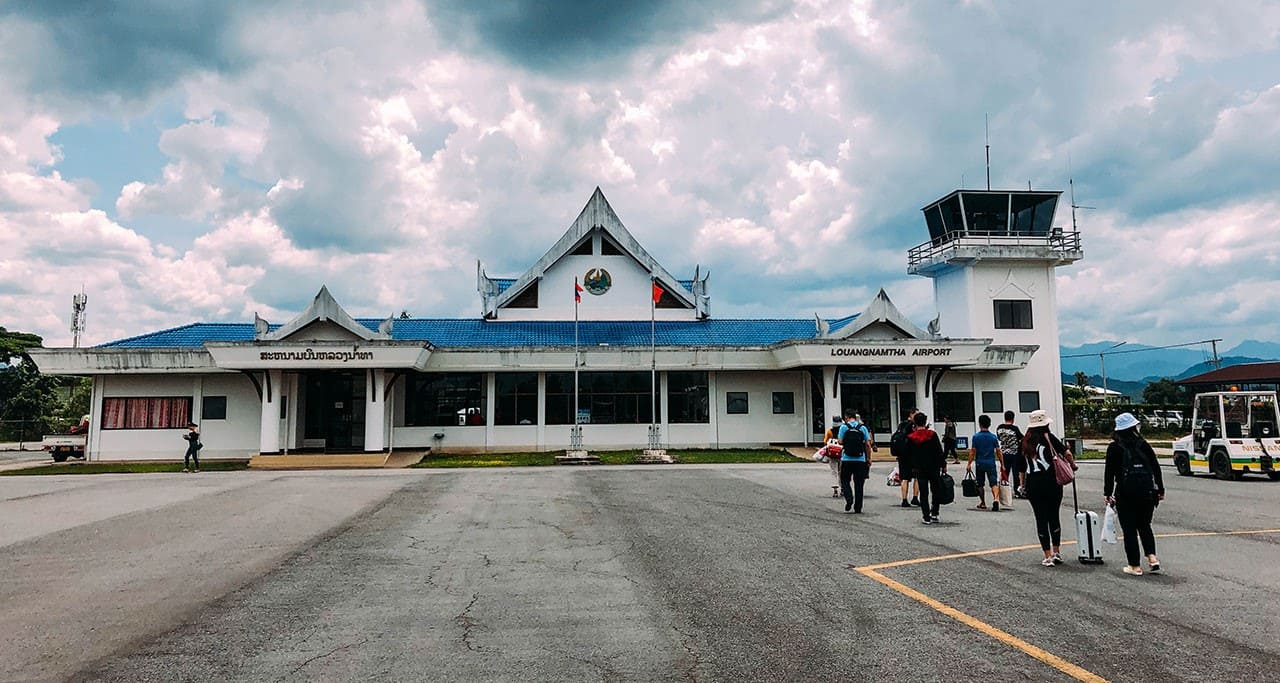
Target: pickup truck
63,446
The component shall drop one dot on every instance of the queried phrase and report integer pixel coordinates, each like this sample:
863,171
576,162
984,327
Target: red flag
577,292
657,292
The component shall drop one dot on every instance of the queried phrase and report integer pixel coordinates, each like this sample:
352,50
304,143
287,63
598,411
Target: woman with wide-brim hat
1039,449
1132,482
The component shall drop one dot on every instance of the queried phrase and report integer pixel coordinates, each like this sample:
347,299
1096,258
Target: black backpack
854,443
898,442
1136,477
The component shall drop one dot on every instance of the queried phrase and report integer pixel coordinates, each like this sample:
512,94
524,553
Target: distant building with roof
505,380
1264,376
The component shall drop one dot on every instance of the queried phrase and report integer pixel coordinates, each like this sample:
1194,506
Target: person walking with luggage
983,449
192,456
855,461
925,455
899,449
1011,451
1039,449
949,439
1133,484
832,438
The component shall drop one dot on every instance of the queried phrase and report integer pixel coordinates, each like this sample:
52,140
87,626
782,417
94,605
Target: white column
269,431
830,397
94,440
375,410
490,407
291,441
662,409
924,398
542,409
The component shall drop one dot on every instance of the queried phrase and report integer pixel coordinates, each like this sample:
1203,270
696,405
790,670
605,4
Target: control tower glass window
1033,213
987,212
1013,314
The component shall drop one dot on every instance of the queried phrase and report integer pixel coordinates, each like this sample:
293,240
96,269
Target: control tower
992,255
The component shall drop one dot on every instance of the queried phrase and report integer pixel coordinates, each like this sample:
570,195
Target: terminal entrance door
872,402
334,411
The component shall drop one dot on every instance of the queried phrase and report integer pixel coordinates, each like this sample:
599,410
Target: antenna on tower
986,131
1072,185
78,304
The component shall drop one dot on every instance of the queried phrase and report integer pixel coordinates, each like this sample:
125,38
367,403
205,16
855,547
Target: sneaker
1047,562
848,506
934,518
983,506
995,507
905,504
1057,559
196,469
185,470
1135,571
927,521
1153,563
915,501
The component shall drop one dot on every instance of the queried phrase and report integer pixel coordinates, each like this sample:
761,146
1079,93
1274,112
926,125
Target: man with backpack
855,460
898,448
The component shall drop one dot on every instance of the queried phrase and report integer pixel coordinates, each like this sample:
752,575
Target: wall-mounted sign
889,377
597,281
321,356
317,355
892,351
584,416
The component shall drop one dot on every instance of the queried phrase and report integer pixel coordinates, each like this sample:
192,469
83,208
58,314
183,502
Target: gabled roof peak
323,308
881,310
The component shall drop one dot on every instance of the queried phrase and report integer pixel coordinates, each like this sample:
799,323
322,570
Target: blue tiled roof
475,333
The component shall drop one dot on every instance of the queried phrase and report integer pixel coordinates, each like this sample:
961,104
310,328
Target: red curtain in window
113,410
135,416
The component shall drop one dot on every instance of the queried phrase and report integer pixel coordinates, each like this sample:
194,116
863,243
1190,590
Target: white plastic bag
820,457
895,478
1109,525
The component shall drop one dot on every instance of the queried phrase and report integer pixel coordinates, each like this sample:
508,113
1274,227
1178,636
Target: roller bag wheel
1088,532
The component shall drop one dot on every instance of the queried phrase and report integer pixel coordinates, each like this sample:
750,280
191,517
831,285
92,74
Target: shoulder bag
1062,471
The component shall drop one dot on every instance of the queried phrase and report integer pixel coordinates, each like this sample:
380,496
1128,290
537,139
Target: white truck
69,445
1234,433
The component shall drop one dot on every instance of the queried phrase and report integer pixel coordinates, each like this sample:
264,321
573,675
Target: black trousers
1045,495
930,484
1013,467
858,472
1134,515
193,455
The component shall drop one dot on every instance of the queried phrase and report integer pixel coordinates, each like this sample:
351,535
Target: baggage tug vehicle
1234,434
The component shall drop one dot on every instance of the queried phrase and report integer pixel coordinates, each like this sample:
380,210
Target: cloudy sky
184,160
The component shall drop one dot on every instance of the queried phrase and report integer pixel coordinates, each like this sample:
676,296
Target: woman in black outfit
1132,483
1039,449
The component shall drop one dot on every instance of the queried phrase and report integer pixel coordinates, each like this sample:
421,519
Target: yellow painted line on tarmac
873,572
1003,636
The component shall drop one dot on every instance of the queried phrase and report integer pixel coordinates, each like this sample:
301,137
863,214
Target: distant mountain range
1139,363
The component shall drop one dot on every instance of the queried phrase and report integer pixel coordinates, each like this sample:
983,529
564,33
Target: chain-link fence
27,434
1097,420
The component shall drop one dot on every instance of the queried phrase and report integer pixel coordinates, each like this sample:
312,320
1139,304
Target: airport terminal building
535,361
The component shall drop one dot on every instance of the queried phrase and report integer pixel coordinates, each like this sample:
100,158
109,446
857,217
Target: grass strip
125,468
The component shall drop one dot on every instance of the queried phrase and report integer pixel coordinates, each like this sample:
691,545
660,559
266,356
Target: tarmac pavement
743,572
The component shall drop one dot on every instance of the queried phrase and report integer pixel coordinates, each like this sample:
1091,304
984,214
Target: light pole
1102,360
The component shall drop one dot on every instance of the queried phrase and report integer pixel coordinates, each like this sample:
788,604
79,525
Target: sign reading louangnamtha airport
319,356
871,353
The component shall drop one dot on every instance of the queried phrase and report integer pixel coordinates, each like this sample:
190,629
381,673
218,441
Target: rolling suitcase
1088,532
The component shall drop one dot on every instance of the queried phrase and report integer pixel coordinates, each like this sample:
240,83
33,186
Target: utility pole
1217,362
1102,360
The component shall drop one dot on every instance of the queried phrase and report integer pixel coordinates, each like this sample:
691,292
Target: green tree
15,344
1165,392
1082,380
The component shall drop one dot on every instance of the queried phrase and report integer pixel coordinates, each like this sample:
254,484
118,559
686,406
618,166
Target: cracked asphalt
686,573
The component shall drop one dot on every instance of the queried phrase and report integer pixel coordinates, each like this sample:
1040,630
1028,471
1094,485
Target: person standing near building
1039,449
833,437
1011,448
899,448
855,460
929,462
192,456
1133,483
984,448
949,439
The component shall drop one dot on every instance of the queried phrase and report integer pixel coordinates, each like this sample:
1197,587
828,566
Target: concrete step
326,461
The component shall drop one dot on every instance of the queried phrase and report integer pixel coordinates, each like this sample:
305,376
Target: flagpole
577,428
653,365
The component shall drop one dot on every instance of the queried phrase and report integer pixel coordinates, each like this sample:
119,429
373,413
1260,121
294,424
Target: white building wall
234,437
760,426
965,298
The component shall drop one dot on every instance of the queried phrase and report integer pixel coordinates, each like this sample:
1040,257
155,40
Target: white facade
326,382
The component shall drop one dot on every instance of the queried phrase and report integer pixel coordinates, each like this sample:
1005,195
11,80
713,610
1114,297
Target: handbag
1062,470
946,490
1006,494
969,485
